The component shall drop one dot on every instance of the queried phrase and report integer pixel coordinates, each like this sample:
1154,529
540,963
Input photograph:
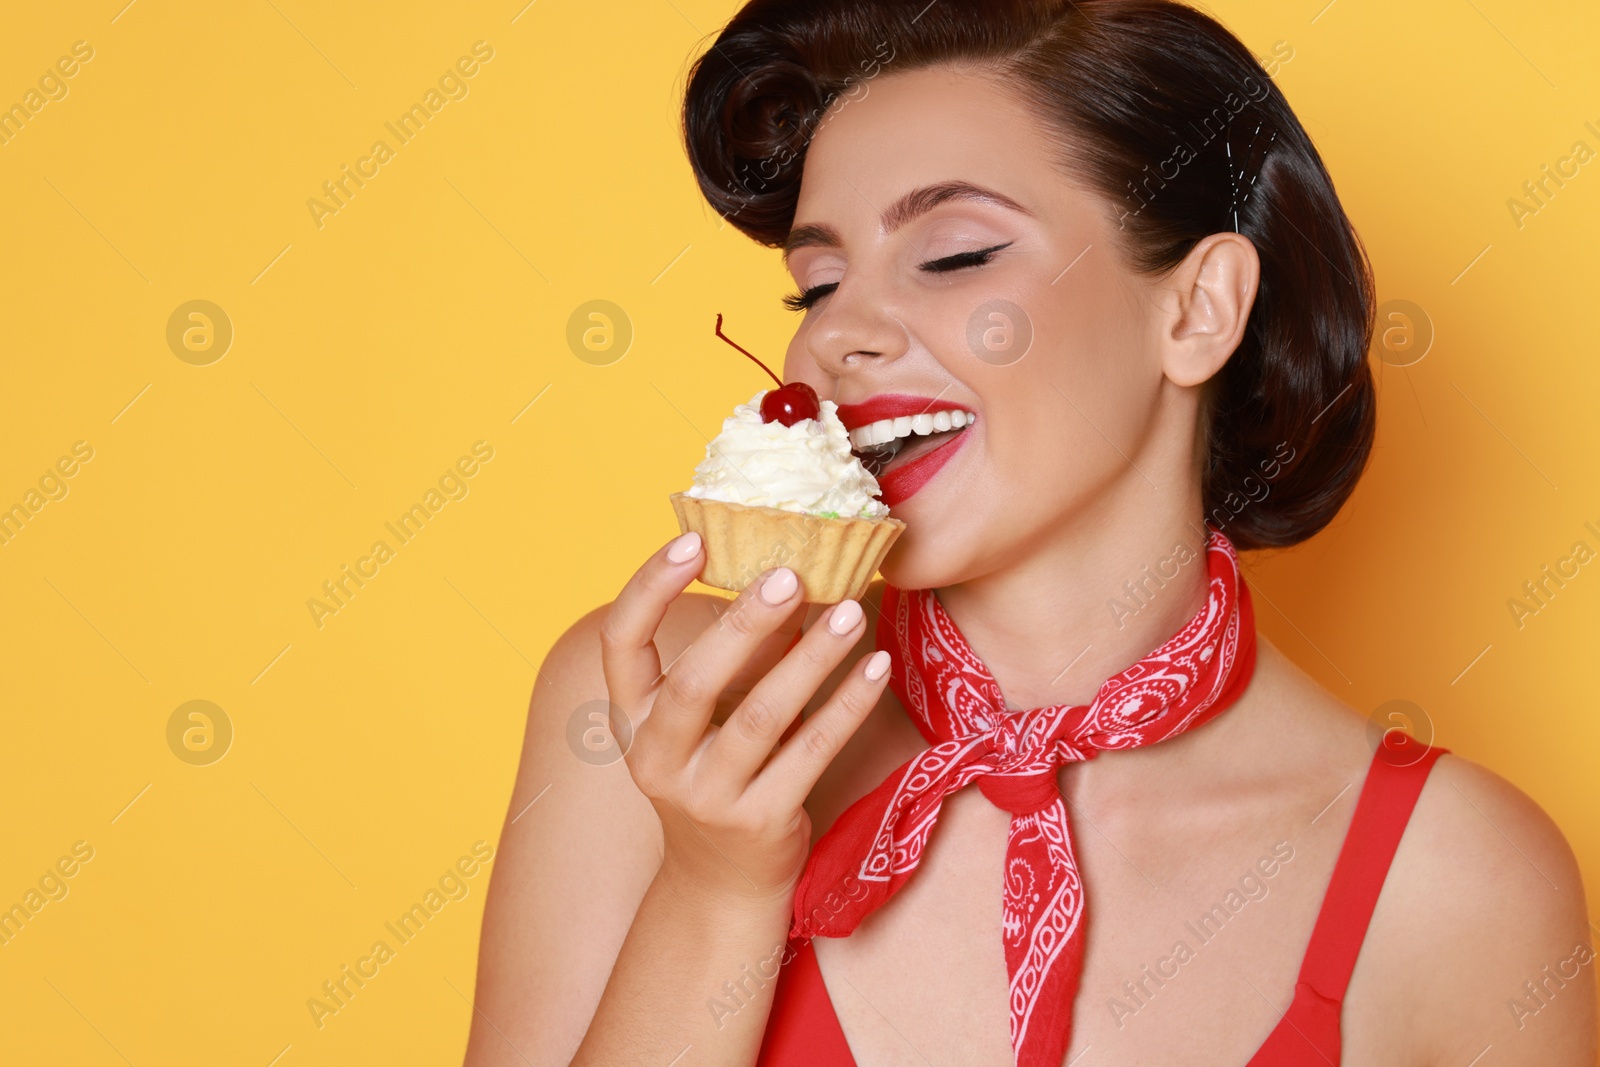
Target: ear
1215,286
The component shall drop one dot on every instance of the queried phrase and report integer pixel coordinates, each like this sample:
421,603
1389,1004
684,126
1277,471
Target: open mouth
890,443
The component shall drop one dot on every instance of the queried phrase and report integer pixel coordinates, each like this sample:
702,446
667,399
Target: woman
1098,227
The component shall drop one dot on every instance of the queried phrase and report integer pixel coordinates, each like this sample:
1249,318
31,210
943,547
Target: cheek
1073,410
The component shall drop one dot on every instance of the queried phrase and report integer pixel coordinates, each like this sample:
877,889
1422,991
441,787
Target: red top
803,1030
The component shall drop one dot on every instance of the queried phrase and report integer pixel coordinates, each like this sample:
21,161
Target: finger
790,776
629,656
757,724
773,648
693,683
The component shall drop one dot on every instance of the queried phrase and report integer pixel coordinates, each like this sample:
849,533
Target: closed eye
963,259
803,300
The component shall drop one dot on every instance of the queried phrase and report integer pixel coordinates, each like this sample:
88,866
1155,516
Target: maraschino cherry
787,404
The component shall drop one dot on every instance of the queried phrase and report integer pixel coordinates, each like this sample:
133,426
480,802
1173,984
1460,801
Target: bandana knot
1020,756
1013,757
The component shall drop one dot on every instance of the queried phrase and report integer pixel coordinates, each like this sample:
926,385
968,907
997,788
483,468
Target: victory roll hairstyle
1166,115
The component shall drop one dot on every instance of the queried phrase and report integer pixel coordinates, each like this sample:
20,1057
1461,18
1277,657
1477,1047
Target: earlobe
1216,285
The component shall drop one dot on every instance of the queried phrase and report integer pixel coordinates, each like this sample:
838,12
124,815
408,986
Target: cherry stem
760,364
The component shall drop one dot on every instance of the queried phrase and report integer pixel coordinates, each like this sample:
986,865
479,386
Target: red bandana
1013,756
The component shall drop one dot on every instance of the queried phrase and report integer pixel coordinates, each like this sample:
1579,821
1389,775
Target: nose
854,327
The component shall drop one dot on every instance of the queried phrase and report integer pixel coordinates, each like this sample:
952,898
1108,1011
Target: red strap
803,1030
1395,778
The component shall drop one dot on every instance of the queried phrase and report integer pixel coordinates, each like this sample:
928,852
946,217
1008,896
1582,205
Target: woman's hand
732,826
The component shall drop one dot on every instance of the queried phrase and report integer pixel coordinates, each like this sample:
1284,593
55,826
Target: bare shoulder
578,648
579,848
1480,936
570,712
1510,864
1483,921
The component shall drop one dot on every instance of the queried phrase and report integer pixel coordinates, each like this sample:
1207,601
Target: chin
920,560
935,550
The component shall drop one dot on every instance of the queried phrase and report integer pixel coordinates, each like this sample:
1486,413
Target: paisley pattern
1013,756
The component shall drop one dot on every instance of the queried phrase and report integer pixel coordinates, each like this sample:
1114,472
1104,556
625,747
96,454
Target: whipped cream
806,467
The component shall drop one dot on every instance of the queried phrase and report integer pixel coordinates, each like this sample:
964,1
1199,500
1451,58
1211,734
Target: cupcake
779,486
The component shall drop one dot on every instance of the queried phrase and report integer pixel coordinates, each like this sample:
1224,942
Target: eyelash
803,300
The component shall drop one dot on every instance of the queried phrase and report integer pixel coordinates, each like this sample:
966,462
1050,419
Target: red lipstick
891,406
900,482
905,478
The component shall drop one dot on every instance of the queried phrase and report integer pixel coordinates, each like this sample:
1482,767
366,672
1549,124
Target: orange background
368,754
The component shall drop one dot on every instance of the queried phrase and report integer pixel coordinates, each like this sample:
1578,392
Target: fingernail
878,665
844,616
779,586
684,548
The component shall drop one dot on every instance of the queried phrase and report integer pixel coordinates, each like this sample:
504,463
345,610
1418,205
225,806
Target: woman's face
1052,343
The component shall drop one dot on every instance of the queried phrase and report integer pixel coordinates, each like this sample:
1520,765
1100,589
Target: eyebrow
914,204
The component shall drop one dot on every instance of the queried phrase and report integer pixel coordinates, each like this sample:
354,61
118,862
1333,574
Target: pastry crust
834,559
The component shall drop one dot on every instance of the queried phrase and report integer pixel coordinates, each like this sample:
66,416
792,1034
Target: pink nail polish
878,665
684,548
844,616
779,586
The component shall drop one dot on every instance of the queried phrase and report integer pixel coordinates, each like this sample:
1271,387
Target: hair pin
1235,176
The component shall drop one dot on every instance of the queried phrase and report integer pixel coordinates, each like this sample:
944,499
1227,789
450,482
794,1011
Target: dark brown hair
1172,120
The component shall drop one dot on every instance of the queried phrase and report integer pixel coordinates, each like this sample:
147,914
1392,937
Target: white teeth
885,430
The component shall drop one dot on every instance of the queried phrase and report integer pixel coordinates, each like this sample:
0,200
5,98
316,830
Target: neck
1053,626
